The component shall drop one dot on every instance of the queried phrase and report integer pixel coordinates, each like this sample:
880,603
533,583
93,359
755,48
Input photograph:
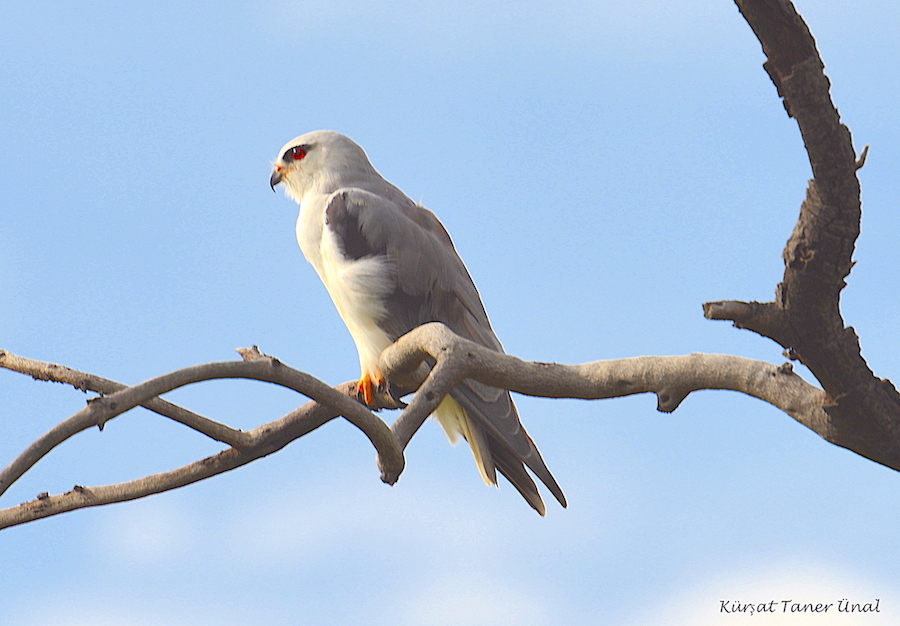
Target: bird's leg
369,385
376,392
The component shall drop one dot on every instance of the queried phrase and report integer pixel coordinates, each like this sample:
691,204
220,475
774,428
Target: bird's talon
365,391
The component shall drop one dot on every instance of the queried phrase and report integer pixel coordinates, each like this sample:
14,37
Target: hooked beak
276,177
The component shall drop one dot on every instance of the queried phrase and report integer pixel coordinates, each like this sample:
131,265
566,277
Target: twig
41,370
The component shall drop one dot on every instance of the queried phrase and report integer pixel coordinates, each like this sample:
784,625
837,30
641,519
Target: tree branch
863,411
671,378
100,410
271,437
41,370
254,444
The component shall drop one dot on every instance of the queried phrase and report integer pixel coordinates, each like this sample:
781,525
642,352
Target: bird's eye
295,154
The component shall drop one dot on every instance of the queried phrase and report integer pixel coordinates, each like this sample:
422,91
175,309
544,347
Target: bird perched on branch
390,266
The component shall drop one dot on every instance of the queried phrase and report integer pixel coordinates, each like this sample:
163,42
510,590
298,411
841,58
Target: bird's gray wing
431,284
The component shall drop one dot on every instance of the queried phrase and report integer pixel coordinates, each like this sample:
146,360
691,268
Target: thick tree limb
863,410
671,378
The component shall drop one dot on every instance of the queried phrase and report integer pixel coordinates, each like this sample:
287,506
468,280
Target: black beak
275,179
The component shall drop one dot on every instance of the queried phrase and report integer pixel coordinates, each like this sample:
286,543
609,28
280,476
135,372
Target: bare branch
41,370
100,410
671,378
268,438
863,411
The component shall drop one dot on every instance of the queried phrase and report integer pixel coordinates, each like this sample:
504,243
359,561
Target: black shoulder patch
342,218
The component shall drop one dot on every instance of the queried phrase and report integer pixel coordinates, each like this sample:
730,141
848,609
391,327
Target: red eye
297,153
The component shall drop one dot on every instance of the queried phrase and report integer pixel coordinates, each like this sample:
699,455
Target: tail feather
456,423
515,473
493,452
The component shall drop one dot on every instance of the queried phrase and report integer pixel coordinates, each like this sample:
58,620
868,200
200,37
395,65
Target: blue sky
603,167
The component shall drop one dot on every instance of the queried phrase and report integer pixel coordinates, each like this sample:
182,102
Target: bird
389,265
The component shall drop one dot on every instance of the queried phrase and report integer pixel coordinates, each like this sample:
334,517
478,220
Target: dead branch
254,444
41,370
671,378
99,410
272,437
863,411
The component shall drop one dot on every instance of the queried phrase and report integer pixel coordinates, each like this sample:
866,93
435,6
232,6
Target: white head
320,162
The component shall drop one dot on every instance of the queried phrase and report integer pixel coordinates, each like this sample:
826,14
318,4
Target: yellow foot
367,386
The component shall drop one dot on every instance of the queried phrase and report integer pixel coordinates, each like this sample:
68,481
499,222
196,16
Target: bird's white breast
357,287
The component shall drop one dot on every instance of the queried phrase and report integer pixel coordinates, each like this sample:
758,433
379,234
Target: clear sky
603,167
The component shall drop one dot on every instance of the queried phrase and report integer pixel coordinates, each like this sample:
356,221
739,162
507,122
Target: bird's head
319,162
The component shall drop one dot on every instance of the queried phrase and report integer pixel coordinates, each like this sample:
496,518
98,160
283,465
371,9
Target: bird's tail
455,422
491,456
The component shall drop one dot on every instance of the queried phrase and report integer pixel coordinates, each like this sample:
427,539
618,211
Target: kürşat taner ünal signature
790,606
